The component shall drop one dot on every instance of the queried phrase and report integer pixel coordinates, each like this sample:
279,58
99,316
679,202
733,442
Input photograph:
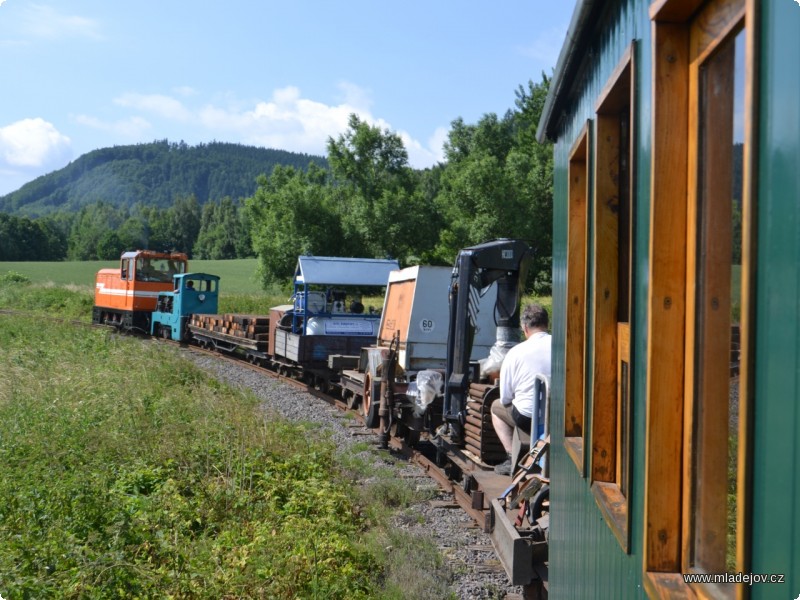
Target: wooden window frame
610,468
669,416
575,347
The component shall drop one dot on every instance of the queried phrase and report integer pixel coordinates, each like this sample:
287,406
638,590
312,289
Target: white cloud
132,128
420,156
33,144
355,95
546,48
46,22
286,121
163,106
185,91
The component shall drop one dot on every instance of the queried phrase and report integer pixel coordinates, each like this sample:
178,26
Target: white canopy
332,270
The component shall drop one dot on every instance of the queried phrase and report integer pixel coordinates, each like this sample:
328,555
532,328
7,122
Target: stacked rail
480,437
246,331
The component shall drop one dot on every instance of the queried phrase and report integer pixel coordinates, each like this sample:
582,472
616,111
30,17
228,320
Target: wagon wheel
321,384
404,432
411,437
165,331
371,402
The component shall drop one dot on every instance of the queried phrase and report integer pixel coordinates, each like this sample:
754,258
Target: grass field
127,473
238,276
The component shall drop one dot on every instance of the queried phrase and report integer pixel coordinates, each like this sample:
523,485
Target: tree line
159,171
101,231
496,181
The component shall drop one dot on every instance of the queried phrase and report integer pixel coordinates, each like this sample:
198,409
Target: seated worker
355,306
189,286
517,403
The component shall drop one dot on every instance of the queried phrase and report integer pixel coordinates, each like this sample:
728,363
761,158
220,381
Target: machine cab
193,293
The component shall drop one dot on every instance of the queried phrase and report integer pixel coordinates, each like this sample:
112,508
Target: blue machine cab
193,293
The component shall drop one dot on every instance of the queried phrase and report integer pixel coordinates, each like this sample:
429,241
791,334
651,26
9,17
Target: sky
79,75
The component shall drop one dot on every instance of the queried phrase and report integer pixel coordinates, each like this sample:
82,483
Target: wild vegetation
496,181
127,472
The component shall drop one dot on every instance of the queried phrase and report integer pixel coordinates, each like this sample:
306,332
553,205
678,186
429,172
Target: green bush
129,473
47,300
10,277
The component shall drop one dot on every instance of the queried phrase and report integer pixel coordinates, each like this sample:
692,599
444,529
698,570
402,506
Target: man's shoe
503,468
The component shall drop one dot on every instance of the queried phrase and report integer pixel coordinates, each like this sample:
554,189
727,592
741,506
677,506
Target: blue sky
84,74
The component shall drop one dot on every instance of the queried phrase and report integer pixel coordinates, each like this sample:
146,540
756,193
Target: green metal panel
585,558
586,561
776,502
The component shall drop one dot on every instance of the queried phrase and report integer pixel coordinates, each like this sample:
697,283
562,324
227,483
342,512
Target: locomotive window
127,268
696,515
611,300
577,234
158,269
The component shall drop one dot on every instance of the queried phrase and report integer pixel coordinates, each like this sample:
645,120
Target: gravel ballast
473,569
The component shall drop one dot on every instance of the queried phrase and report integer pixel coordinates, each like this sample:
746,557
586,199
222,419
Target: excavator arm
504,261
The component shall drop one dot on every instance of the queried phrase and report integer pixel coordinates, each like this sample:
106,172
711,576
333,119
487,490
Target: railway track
440,474
472,486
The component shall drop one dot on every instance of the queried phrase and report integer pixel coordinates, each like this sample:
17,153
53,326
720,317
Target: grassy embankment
127,472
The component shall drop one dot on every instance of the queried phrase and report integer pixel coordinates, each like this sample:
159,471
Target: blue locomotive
193,293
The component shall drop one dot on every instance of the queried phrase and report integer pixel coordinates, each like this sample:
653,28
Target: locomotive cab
193,293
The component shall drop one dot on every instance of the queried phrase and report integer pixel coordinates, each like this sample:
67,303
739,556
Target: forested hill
154,174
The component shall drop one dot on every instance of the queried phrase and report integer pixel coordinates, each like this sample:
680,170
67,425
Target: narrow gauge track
467,493
417,456
481,575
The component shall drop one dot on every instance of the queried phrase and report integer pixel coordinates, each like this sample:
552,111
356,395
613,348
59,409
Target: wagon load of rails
479,435
247,331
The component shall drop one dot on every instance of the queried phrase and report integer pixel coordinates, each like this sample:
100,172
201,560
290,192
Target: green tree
24,239
91,225
109,246
497,182
159,234
223,232
293,213
184,217
379,202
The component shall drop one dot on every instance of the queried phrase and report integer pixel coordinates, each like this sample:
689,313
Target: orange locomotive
126,297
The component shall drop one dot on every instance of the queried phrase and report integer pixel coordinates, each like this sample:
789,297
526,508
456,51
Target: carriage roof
330,270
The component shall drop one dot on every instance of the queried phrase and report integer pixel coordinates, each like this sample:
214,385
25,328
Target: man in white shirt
517,403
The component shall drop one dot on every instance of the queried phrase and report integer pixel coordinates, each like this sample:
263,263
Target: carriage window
696,516
611,300
574,432
716,273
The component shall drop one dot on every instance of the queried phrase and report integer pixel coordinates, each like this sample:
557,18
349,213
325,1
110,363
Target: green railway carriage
676,301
